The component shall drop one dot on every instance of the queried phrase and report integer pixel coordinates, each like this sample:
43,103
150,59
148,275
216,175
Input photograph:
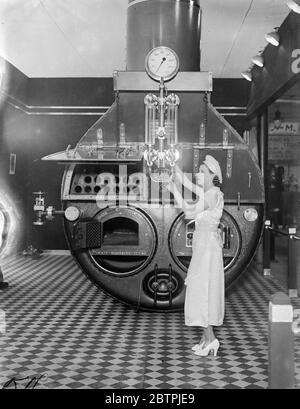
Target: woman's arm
187,182
190,210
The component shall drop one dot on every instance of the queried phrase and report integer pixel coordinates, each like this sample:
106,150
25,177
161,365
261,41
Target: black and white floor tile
61,327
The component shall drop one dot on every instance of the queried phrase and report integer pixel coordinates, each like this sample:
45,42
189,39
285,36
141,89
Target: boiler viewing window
120,231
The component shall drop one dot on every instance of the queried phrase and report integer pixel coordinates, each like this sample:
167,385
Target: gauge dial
72,213
162,62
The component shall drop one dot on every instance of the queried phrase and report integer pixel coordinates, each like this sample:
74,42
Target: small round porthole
250,215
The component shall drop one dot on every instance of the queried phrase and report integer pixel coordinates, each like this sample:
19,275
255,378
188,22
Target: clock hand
162,61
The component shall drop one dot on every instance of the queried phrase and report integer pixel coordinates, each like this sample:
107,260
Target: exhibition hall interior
109,112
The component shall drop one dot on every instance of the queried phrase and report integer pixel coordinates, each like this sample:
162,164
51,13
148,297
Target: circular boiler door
128,241
181,237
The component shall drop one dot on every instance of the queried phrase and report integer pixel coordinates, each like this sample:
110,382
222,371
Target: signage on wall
284,148
284,128
296,62
284,142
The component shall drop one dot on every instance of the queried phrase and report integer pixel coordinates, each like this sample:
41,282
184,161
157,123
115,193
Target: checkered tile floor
61,326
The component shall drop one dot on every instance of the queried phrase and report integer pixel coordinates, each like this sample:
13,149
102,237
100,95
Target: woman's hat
214,166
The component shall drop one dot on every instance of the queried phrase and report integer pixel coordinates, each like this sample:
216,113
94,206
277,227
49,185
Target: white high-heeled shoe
213,346
198,346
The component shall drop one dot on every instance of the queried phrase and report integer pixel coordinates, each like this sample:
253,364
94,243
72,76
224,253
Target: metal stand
267,249
292,268
281,343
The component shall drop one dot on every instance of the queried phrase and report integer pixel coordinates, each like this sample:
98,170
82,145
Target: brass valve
39,207
43,212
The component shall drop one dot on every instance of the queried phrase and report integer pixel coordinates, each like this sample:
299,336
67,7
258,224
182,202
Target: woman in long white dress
204,299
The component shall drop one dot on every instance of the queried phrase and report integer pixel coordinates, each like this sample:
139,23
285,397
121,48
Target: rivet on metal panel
225,137
122,134
202,134
239,200
229,163
196,160
249,179
115,79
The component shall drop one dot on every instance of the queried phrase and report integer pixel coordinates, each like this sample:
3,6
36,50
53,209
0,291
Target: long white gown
204,298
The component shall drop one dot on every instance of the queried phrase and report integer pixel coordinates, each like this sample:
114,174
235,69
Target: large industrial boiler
121,224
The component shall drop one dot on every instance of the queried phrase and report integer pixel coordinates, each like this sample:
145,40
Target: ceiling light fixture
247,75
273,38
277,119
294,5
258,60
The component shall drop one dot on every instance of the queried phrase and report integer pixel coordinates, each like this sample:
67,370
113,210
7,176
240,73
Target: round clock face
162,62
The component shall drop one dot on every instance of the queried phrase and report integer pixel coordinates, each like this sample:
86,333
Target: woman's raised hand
167,186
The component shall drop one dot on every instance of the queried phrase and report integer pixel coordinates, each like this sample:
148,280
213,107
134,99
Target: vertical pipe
176,126
264,130
171,23
292,264
153,128
259,142
169,125
267,249
147,138
162,105
263,154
